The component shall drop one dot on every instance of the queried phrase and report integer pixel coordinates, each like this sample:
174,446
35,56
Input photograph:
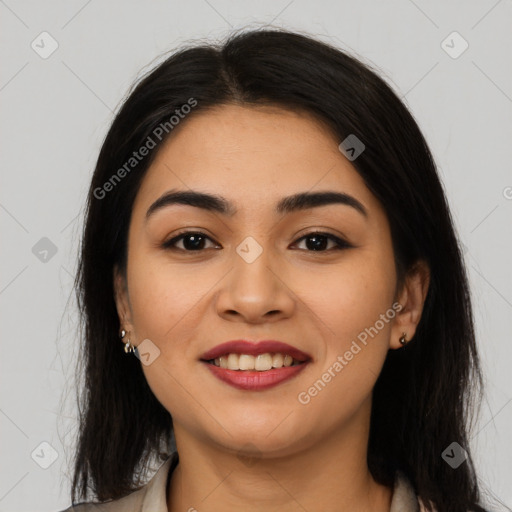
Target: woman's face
255,275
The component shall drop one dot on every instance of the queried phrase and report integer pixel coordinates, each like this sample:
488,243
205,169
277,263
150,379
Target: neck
329,475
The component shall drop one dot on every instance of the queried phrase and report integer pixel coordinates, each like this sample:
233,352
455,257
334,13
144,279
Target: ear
412,299
122,300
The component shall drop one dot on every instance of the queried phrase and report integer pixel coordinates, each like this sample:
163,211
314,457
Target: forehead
253,155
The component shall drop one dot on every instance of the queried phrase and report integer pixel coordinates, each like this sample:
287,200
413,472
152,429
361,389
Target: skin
255,450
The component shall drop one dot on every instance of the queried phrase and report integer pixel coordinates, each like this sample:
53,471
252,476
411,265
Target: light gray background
56,111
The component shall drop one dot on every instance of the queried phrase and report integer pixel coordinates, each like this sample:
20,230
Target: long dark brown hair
427,393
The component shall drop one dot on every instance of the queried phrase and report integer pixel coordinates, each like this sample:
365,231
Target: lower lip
254,380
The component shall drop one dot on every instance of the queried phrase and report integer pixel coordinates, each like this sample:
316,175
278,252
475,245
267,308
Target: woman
267,233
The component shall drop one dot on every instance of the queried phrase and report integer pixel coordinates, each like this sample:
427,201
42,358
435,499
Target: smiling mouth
259,363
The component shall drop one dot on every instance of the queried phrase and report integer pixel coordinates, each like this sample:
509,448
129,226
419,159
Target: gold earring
128,347
402,339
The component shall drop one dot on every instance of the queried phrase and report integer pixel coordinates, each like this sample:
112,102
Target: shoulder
151,496
130,503
404,497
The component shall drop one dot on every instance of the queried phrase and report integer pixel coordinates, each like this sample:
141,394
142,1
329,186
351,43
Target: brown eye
191,241
318,241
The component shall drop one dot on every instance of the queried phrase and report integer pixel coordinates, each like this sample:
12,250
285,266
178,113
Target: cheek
355,303
350,297
163,296
166,304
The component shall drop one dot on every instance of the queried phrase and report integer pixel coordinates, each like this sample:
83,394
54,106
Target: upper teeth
260,363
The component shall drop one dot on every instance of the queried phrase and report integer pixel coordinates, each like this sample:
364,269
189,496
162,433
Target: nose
255,292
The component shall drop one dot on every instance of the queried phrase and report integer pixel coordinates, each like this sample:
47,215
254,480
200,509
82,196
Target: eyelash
340,243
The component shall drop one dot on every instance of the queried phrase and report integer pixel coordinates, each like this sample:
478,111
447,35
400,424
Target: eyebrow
219,204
